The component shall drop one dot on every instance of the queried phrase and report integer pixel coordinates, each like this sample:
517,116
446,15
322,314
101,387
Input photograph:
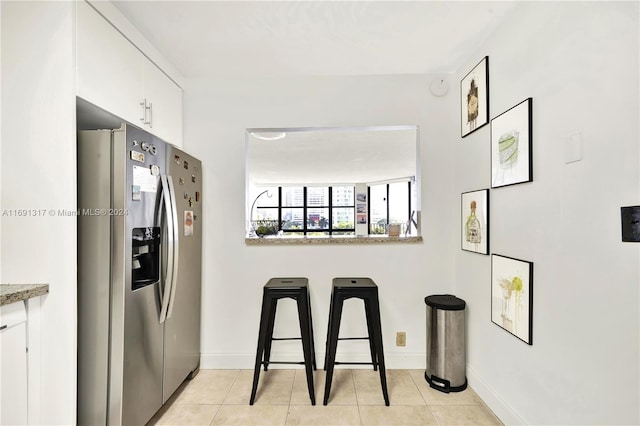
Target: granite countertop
379,239
10,293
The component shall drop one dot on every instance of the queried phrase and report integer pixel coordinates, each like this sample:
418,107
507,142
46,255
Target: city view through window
329,210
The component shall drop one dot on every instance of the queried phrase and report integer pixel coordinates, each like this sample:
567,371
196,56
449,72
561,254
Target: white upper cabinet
164,105
114,75
110,69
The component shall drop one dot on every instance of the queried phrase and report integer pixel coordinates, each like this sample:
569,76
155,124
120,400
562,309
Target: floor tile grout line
215,414
293,382
418,387
235,379
433,414
355,390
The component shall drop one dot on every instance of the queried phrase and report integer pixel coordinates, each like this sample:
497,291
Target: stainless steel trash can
446,350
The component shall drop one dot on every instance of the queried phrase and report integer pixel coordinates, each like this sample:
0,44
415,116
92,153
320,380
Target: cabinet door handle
145,108
143,104
150,108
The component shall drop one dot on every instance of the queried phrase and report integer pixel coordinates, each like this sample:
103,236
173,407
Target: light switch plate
573,148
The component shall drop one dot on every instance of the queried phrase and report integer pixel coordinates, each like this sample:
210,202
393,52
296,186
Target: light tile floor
221,397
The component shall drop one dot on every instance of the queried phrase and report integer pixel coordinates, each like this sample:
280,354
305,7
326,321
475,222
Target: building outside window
389,203
313,210
330,210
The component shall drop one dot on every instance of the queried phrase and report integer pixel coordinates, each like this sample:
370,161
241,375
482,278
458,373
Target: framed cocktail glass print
511,145
512,296
475,221
474,98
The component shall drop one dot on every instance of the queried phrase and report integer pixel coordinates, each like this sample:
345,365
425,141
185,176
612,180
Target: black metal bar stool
367,290
274,290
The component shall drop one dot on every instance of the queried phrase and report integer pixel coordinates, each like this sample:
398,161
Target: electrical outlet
401,338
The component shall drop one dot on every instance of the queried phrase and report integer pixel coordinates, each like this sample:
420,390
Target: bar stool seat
274,290
367,290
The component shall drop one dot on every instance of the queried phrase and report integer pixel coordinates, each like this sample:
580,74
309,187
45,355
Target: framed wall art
511,146
512,296
475,221
474,98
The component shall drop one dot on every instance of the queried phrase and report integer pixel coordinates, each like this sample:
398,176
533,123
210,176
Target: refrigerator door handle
169,219
176,246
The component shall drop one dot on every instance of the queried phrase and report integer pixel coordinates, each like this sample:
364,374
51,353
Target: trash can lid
447,302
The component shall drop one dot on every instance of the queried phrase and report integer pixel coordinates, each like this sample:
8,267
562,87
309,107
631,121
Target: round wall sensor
439,87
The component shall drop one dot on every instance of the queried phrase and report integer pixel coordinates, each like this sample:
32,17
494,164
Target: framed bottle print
475,221
474,98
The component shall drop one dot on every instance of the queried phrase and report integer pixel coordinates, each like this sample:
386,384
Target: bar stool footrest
355,363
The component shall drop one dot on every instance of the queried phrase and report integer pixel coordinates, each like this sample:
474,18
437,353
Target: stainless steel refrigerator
139,274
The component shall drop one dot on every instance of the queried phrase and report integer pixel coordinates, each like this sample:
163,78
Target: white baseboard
495,402
393,360
226,361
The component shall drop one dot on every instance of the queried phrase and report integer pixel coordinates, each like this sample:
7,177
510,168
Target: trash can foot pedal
444,385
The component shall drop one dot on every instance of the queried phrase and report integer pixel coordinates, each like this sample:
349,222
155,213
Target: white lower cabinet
13,364
117,77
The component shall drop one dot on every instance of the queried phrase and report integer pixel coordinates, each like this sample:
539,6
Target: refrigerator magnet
188,223
135,192
144,179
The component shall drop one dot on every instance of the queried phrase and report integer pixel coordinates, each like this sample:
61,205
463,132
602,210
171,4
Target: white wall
0,138
216,116
38,172
579,63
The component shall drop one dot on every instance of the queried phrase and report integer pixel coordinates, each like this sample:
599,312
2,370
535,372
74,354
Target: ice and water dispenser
145,252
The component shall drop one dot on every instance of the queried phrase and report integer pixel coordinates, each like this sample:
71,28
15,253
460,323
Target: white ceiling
208,38
331,156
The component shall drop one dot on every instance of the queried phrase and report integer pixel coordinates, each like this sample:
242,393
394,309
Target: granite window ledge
373,239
